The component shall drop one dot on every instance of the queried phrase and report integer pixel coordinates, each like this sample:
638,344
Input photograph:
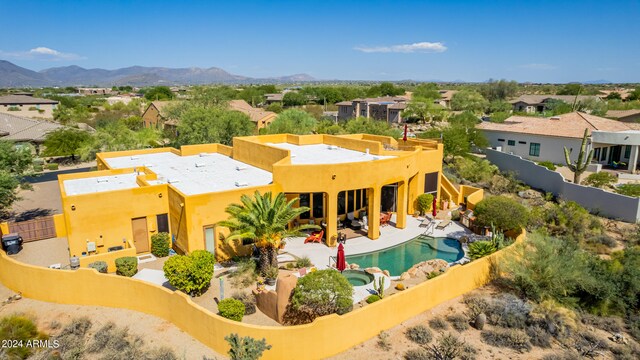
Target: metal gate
36,229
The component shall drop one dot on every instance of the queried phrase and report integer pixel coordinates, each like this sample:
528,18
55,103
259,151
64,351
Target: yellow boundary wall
324,337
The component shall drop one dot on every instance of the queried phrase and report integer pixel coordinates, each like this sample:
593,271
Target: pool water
401,258
358,278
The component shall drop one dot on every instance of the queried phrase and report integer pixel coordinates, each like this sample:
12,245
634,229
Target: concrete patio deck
389,236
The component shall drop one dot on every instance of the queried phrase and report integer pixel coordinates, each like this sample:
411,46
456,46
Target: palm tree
266,220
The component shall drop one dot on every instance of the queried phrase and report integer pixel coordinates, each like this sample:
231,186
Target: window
511,142
163,223
359,199
350,200
305,200
431,183
501,140
534,149
522,142
318,205
596,154
627,151
603,157
341,200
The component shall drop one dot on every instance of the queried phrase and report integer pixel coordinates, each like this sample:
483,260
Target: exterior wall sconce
160,195
333,177
73,208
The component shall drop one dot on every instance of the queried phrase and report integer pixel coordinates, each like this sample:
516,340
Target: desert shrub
548,164
419,334
246,348
482,248
476,304
438,323
418,354
632,190
449,346
601,179
127,266
384,342
72,338
601,242
455,215
19,327
538,336
563,355
303,262
231,309
458,322
102,337
433,274
503,212
553,318
612,324
190,273
505,183
424,203
626,352
160,244
372,298
474,170
507,310
589,344
567,220
249,302
52,166
245,273
511,338
101,266
319,293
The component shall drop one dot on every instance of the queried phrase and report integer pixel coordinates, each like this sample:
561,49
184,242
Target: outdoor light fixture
333,177
73,208
160,195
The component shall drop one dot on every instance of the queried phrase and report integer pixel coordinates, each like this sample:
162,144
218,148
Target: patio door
210,239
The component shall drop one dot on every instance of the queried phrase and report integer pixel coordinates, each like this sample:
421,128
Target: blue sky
543,41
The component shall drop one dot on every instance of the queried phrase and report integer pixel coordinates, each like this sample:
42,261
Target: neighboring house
387,108
632,115
624,93
27,105
445,98
20,129
95,91
273,98
544,139
261,118
155,116
539,103
185,192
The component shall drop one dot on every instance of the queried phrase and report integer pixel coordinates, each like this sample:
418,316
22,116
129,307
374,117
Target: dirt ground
44,252
155,331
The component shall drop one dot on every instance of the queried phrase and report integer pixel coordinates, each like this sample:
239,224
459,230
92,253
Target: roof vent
99,180
241,167
149,165
173,181
135,157
332,147
241,184
200,164
202,154
555,118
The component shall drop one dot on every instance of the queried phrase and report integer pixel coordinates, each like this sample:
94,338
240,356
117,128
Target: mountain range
12,75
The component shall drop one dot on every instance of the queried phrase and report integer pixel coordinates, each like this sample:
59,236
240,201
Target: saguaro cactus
581,164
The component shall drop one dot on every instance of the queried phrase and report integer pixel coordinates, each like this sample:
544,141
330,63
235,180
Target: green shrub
511,338
372,298
249,302
190,273
127,266
319,293
245,274
632,190
38,168
52,166
503,212
418,354
601,179
160,244
438,323
455,215
424,203
433,274
303,262
548,164
539,337
449,346
246,348
476,304
101,266
474,169
231,309
19,327
419,334
482,248
458,322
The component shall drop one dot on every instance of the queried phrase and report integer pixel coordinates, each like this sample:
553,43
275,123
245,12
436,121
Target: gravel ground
44,252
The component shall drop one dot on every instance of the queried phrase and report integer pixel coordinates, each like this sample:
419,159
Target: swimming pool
401,258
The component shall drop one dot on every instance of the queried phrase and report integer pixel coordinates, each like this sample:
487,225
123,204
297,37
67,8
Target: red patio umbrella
404,138
434,211
341,263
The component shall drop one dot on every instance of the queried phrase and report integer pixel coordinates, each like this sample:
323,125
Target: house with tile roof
20,129
631,116
544,139
540,103
261,118
386,108
155,115
27,106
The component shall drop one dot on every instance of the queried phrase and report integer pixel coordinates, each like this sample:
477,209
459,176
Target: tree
8,190
501,211
159,93
65,142
581,164
15,158
319,293
499,90
614,95
460,135
634,95
208,96
571,89
362,125
424,109
294,99
203,125
558,107
385,89
118,137
499,105
265,220
426,91
292,121
469,100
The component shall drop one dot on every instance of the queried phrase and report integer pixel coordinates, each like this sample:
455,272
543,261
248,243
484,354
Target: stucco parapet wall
631,137
316,340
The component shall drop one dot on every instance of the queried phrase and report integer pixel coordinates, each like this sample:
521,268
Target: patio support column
412,193
401,206
633,158
373,212
332,219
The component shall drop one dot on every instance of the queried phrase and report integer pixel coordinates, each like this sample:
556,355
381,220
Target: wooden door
140,234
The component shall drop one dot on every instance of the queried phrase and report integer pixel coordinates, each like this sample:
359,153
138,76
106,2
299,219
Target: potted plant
271,275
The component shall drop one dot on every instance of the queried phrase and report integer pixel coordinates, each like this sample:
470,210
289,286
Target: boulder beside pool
424,268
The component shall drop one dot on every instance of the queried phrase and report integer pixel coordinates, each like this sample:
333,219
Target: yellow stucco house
135,194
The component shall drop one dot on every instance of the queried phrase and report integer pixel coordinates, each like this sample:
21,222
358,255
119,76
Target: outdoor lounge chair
354,223
426,222
315,237
384,219
443,224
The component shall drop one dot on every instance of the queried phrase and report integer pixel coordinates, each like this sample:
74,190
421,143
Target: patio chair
315,237
384,219
355,224
443,224
426,222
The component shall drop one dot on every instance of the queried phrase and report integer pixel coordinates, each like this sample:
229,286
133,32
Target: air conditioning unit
241,184
91,246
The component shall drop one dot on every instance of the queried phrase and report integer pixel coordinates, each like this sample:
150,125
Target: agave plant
480,249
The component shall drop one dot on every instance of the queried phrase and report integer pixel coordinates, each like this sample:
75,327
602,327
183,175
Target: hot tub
358,277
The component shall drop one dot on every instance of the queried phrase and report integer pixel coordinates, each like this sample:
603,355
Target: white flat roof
100,184
196,174
325,154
